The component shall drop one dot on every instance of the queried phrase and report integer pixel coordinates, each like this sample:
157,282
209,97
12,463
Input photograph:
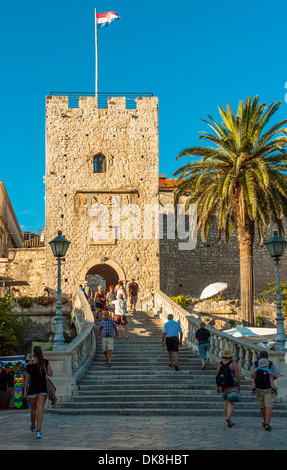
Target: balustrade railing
245,353
70,364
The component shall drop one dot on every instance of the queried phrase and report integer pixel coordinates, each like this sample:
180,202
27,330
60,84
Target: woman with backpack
228,384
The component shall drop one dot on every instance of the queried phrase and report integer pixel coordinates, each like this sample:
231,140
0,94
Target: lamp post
59,248
276,246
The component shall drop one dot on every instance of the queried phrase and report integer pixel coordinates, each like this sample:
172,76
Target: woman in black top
202,335
37,390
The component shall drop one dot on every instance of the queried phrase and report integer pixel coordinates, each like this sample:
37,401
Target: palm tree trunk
245,235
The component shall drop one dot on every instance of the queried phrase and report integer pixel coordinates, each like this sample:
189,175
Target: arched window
99,164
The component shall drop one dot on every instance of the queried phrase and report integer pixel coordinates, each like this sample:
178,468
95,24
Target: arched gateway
108,269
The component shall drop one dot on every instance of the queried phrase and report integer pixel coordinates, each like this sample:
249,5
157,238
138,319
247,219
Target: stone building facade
10,232
101,160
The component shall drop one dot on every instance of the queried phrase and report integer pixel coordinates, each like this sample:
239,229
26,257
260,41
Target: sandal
267,427
229,422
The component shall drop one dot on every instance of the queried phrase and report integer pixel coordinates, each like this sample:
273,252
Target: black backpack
224,377
262,378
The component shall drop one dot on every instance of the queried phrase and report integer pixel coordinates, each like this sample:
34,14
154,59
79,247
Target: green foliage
24,301
241,172
259,322
262,299
218,298
181,300
11,328
44,300
272,290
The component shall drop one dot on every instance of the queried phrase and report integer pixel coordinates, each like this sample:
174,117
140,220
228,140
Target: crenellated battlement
139,101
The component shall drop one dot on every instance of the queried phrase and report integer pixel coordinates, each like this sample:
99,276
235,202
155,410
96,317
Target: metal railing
102,97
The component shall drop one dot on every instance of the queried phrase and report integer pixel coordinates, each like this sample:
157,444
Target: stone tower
101,159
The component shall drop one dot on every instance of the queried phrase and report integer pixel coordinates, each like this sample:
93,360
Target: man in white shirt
120,314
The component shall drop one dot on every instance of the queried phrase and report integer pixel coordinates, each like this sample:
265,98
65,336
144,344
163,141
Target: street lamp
59,248
276,246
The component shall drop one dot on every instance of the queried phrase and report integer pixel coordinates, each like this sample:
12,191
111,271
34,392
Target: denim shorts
202,350
36,394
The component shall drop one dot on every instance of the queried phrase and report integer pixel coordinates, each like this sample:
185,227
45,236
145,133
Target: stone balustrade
245,353
70,364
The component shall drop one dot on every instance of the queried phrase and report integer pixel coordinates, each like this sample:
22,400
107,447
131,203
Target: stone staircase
140,383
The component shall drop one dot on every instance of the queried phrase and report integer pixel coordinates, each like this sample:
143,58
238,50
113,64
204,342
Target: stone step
156,363
116,382
154,393
191,398
160,411
153,386
149,367
155,404
159,359
149,375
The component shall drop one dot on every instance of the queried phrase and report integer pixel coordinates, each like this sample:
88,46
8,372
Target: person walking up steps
264,394
202,335
172,335
133,290
37,390
228,384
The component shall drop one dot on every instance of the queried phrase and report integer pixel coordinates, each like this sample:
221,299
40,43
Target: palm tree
240,181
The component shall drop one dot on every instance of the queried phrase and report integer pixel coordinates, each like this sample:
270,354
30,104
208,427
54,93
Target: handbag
51,389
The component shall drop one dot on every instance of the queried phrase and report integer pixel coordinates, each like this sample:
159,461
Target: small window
99,164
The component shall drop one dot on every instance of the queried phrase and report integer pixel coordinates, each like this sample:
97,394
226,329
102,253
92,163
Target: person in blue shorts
230,394
202,335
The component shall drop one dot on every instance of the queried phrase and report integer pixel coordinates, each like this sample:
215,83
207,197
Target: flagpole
96,50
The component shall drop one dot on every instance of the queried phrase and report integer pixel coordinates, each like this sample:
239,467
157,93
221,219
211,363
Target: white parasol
213,289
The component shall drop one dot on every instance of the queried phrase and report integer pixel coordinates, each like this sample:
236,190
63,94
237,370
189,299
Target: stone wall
189,272
26,264
128,138
225,313
41,326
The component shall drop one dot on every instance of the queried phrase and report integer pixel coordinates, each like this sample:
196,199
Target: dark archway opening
108,273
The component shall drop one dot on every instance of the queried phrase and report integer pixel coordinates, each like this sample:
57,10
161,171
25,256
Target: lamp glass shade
276,246
59,246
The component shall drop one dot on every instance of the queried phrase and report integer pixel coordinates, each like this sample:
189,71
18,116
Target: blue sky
193,55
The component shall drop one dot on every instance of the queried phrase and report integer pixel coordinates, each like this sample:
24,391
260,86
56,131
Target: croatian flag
105,19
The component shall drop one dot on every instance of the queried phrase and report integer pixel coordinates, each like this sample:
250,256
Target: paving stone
62,432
